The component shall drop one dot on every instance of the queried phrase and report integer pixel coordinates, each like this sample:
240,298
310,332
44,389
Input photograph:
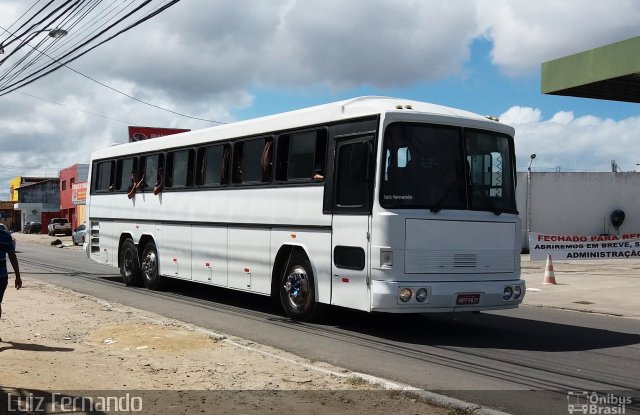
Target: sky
231,60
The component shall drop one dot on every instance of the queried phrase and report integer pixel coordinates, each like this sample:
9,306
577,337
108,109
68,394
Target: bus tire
297,290
149,266
130,264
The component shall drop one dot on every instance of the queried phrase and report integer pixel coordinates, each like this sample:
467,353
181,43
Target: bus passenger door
353,184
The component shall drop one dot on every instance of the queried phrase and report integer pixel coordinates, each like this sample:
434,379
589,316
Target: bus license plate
468,299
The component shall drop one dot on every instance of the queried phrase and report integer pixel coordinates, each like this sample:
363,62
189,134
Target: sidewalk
604,286
60,345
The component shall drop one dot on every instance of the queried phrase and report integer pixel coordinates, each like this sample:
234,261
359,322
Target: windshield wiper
488,203
437,207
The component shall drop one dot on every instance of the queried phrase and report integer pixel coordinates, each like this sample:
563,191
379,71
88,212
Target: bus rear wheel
150,276
130,264
297,290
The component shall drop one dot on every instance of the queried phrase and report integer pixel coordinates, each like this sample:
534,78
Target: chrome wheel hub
297,286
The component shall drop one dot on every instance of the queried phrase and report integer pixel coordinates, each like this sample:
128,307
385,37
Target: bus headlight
517,291
386,258
507,293
421,295
405,295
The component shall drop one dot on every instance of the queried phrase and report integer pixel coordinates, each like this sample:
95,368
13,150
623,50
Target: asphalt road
522,361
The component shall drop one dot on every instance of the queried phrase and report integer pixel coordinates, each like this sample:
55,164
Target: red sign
145,133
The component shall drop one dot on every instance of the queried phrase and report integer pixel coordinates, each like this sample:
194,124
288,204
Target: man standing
7,247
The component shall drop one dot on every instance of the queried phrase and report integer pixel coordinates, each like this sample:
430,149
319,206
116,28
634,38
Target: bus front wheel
297,290
150,276
129,263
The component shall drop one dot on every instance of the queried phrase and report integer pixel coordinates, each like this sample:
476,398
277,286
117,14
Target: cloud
207,58
587,143
203,48
527,33
521,116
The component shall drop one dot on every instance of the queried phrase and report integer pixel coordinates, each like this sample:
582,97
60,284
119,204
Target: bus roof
326,113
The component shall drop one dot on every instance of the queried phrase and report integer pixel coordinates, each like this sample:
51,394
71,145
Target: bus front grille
456,262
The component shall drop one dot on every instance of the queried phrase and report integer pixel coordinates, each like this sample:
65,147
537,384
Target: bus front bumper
446,296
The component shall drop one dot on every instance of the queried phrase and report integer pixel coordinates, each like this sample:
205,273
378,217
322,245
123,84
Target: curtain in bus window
423,167
265,161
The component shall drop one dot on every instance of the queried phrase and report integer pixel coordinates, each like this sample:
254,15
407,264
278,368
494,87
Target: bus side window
300,162
212,165
252,161
152,163
265,161
224,169
179,171
301,156
237,173
201,165
104,176
123,172
319,158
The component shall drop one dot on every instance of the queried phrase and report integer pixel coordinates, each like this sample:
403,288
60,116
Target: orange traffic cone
549,275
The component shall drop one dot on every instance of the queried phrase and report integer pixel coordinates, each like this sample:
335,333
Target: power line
75,109
139,100
5,89
18,84
118,91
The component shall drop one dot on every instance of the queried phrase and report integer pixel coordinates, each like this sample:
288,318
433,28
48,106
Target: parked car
59,225
32,227
78,235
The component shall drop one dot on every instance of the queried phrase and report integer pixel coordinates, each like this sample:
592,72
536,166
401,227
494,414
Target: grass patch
354,380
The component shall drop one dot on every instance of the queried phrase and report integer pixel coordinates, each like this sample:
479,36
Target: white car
59,225
78,235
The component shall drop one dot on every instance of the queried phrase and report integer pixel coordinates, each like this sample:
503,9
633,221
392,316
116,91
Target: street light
528,201
56,33
533,156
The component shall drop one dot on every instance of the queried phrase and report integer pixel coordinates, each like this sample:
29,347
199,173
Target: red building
68,177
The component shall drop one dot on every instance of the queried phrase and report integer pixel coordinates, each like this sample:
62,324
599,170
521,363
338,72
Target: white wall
578,203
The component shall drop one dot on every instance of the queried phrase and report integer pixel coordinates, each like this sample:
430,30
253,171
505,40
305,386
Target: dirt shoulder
56,341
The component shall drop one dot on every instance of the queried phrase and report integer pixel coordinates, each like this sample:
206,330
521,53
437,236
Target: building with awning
610,72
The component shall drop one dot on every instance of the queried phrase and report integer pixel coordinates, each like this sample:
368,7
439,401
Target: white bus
376,204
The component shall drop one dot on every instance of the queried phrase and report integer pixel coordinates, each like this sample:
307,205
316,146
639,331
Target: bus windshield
441,167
